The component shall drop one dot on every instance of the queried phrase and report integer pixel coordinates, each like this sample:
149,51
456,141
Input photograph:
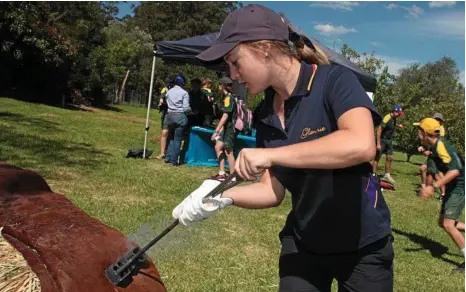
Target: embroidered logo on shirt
309,132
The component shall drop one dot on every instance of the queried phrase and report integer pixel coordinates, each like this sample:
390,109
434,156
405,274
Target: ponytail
313,54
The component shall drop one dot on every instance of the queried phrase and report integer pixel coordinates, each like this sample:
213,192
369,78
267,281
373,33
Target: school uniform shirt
333,211
388,127
446,158
163,92
195,101
206,107
163,97
442,131
229,107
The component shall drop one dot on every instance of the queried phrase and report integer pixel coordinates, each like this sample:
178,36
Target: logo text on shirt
309,132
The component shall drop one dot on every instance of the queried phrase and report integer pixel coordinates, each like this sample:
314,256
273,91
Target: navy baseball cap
250,23
397,108
179,79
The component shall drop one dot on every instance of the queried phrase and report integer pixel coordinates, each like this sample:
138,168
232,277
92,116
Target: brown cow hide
67,249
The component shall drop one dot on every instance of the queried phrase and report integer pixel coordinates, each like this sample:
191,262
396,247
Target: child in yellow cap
449,162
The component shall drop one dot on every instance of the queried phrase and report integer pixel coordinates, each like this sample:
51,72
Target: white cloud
462,77
392,6
394,63
375,44
343,5
446,26
450,25
328,29
440,4
414,10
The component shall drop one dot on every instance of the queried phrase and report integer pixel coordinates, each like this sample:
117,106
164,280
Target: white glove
192,209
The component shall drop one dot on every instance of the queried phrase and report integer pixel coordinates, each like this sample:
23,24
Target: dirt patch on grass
256,252
89,108
49,115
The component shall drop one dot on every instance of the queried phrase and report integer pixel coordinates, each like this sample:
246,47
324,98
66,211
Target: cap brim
216,51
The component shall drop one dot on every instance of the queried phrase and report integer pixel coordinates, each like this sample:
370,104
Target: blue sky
398,32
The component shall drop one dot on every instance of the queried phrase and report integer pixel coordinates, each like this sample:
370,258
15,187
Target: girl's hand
252,162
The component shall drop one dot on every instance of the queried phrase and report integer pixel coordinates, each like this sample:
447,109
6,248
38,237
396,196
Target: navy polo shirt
333,211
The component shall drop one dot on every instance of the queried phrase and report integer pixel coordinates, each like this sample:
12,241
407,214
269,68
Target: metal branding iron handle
119,272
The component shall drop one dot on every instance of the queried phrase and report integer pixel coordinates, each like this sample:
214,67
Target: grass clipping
15,274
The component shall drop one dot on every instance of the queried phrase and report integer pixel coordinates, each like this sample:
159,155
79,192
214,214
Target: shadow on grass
109,108
437,250
415,163
35,149
399,160
37,98
28,121
93,108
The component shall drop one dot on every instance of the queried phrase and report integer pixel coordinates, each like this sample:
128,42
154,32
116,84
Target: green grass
81,154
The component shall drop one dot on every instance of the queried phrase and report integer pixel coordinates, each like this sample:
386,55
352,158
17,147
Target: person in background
163,112
208,103
428,170
315,138
385,133
448,161
225,133
177,118
196,100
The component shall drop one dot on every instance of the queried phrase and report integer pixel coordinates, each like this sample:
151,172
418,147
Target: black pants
369,269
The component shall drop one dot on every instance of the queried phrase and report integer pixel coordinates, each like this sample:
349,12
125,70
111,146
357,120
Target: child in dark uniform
225,133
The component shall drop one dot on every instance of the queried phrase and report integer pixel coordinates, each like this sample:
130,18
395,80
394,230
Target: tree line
55,50
421,90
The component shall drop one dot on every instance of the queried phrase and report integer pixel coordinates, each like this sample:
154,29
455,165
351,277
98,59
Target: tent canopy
186,50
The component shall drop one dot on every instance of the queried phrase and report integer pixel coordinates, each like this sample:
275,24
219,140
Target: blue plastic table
201,150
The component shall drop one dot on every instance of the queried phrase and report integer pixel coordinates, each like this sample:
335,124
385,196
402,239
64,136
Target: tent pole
149,104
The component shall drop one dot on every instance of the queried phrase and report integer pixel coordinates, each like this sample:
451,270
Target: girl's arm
266,193
353,143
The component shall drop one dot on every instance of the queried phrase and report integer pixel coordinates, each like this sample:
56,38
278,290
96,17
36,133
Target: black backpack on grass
138,153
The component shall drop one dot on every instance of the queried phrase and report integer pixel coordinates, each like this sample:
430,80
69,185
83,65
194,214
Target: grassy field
81,154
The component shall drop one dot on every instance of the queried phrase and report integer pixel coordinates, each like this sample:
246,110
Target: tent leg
149,105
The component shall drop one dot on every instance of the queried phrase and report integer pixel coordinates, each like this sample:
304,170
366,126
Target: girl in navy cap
315,139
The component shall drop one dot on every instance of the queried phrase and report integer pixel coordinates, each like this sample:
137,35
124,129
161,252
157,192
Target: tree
45,45
433,87
126,48
178,20
378,69
421,90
